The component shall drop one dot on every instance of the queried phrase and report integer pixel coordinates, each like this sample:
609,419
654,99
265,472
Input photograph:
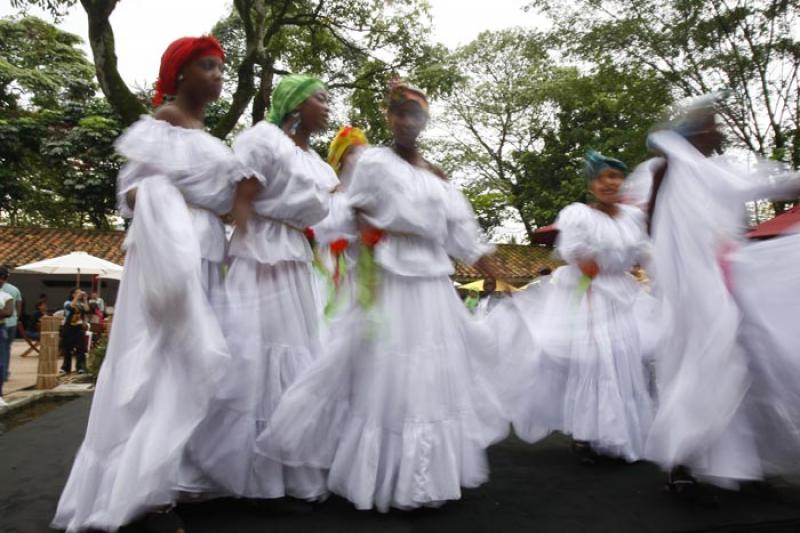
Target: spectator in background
6,310
34,328
472,300
97,302
75,312
11,322
491,297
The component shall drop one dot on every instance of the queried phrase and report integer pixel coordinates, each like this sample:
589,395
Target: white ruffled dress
583,369
272,317
399,409
728,375
163,362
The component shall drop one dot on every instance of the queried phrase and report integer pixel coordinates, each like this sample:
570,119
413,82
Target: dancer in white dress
163,362
272,321
729,402
583,372
399,409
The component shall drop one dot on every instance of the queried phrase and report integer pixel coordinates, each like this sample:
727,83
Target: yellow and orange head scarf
348,136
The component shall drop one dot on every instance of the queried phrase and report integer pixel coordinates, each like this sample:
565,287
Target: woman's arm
246,191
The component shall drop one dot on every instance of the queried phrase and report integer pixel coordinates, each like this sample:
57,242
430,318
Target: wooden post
48,355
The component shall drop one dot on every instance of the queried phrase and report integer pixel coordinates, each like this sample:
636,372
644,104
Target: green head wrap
292,91
594,163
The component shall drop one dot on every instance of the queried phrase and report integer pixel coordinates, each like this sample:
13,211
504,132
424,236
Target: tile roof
777,225
517,263
19,246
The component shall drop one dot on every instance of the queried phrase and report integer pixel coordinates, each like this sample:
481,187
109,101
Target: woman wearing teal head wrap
594,163
299,105
587,378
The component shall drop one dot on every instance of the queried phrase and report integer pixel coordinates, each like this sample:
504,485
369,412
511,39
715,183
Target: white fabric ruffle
160,372
400,409
728,403
296,196
582,369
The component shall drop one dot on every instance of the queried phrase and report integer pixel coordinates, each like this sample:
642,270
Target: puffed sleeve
256,150
573,236
367,191
464,240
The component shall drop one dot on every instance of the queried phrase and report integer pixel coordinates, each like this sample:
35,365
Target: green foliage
750,47
356,47
97,355
521,123
57,166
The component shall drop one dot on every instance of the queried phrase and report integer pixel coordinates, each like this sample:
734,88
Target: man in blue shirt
11,322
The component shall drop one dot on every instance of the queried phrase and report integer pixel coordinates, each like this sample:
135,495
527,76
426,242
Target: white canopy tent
75,263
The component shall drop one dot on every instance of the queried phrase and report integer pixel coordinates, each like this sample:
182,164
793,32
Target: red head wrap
179,54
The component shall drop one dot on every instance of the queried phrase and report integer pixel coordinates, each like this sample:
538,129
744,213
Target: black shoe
157,522
584,452
681,483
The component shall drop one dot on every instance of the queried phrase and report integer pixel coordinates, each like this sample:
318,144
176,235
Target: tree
101,39
747,46
56,139
520,125
354,46
498,112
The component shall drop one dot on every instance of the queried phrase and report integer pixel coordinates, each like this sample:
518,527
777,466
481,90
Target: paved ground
23,369
533,489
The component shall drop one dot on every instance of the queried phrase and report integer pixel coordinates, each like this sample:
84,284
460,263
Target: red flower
309,232
371,236
590,269
339,246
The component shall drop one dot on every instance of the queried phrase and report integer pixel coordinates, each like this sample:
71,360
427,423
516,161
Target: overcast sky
143,28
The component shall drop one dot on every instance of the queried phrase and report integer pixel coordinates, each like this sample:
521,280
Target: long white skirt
158,376
271,326
583,371
756,431
399,408
767,289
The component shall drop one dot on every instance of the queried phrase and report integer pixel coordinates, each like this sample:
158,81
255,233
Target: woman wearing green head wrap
586,376
273,329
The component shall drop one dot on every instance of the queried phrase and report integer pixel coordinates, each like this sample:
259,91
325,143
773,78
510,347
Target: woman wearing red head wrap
162,366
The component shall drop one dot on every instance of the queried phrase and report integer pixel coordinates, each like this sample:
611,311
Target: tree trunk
241,98
529,229
101,39
264,94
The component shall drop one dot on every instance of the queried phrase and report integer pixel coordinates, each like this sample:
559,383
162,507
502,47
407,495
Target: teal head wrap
594,163
292,91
